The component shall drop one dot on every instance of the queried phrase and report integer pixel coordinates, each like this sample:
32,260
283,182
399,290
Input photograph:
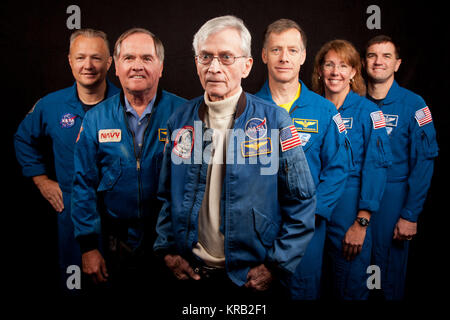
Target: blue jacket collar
302,101
74,101
392,93
72,98
351,98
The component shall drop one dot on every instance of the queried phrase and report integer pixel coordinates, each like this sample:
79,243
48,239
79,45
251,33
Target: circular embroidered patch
67,120
184,142
256,128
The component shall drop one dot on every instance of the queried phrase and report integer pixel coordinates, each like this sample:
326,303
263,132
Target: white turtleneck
219,117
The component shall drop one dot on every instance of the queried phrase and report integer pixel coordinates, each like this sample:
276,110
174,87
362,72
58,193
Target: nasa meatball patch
256,128
67,120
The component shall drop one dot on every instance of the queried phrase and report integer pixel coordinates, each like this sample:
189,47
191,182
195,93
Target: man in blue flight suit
238,210
413,141
117,163
58,116
324,141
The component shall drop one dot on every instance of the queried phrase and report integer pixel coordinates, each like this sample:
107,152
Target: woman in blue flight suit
337,76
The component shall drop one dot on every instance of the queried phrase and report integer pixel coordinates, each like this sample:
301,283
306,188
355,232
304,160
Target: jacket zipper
293,109
138,158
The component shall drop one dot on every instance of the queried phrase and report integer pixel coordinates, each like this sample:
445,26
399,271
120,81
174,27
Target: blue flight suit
364,189
268,195
57,116
414,147
113,180
328,154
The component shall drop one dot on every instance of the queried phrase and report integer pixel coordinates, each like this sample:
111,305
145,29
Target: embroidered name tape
306,125
257,147
423,116
339,123
109,135
289,138
378,119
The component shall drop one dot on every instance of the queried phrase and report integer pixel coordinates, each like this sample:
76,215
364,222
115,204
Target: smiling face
284,55
89,60
381,62
138,66
336,73
222,81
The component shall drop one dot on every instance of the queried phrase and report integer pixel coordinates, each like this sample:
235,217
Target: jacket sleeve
85,216
424,149
27,141
165,242
297,200
335,158
377,158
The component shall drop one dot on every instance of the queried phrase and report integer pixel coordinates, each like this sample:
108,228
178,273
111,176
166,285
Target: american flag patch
423,116
289,138
378,119
340,124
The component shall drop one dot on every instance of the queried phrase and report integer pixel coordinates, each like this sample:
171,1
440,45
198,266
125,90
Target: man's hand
353,241
259,278
180,267
51,191
95,266
404,229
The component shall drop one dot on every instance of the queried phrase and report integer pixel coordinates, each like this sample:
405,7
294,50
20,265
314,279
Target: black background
34,43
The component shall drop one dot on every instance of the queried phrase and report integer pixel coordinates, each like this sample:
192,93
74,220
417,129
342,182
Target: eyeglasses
340,67
225,59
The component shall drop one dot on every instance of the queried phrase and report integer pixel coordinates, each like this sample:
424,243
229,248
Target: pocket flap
265,228
110,176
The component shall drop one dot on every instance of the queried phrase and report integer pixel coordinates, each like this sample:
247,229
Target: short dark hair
382,39
282,25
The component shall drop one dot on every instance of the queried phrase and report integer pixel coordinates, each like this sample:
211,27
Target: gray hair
220,23
89,33
159,48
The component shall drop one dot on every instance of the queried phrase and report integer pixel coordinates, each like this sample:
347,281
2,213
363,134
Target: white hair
220,23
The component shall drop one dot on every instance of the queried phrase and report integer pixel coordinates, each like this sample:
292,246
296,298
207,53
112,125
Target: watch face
363,222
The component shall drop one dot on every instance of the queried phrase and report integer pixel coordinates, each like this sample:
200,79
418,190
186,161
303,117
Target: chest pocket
110,176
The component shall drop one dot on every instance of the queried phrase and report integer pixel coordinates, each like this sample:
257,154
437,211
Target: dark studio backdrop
34,40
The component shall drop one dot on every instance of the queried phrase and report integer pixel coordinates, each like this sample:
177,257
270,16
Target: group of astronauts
137,209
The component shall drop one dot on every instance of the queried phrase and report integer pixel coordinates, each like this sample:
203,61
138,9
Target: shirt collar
148,109
302,100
